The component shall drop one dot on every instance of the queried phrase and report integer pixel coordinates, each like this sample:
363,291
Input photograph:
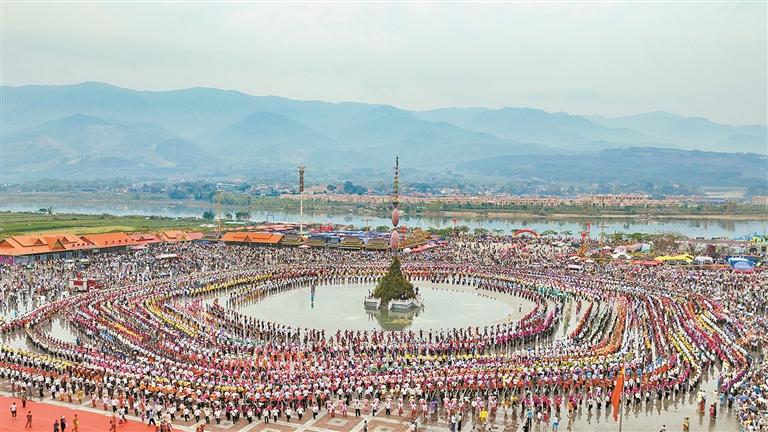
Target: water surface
340,307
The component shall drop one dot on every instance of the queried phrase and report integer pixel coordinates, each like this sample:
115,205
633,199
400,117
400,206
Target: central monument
394,291
394,285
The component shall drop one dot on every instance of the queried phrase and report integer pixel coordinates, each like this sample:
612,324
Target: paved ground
44,414
97,420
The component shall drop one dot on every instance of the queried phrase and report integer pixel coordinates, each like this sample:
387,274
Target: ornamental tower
394,237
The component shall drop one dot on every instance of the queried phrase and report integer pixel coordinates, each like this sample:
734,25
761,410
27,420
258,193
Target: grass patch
16,223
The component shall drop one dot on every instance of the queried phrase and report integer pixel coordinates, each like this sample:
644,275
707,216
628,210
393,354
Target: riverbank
514,214
92,220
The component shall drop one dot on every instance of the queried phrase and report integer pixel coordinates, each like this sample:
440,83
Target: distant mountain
79,141
250,131
266,138
631,165
694,133
255,133
28,106
560,129
386,129
71,130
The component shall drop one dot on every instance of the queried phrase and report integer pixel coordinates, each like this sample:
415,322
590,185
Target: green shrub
394,285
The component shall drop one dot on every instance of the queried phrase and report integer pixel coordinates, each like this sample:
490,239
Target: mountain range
97,130
631,165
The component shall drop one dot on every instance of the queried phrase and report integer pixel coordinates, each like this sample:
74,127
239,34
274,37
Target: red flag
616,395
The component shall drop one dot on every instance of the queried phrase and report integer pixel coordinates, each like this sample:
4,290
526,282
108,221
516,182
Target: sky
613,59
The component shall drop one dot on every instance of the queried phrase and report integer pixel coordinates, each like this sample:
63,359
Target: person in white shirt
265,415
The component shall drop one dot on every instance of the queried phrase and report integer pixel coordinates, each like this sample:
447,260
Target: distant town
603,200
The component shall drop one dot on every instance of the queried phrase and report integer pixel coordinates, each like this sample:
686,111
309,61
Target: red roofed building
110,240
30,248
194,235
69,241
24,245
145,239
36,248
175,236
265,238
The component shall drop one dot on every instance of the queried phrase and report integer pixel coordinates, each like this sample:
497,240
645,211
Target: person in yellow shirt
483,416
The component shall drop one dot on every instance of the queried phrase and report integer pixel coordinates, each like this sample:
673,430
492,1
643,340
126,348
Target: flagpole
621,410
621,397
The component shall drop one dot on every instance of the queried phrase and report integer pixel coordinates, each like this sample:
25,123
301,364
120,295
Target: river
692,227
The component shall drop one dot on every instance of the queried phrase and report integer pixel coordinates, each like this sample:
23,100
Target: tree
351,188
208,215
177,194
617,237
666,242
549,232
331,188
394,285
479,231
443,232
243,215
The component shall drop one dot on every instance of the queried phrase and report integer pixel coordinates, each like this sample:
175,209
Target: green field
15,223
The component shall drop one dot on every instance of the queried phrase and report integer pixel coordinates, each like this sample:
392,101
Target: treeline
204,190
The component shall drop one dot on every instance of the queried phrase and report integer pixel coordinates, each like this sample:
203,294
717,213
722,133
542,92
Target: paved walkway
97,420
45,414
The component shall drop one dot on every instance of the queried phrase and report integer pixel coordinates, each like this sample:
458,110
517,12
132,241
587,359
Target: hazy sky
698,59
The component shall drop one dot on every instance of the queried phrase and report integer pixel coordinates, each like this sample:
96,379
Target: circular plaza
241,334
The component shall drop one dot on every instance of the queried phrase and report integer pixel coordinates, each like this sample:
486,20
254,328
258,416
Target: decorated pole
301,199
394,238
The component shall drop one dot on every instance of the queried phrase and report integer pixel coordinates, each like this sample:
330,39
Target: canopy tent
703,260
679,258
742,265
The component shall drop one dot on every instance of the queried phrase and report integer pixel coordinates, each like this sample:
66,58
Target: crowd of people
164,339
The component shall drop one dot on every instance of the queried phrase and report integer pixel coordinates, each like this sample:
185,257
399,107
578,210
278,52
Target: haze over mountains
99,130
